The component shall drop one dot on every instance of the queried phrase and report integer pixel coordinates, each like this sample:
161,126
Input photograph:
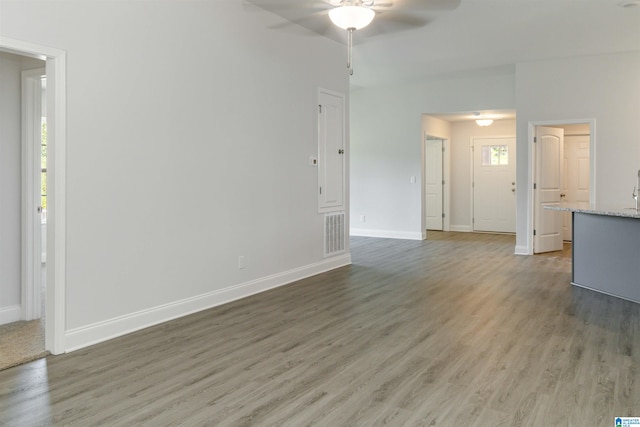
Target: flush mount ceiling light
482,121
351,16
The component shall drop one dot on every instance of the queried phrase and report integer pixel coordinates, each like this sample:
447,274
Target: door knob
341,151
513,190
562,195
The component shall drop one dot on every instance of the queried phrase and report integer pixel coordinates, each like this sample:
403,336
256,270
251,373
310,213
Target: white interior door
33,232
576,176
494,184
547,225
331,153
433,184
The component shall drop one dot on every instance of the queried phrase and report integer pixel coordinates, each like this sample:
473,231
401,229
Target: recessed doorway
563,162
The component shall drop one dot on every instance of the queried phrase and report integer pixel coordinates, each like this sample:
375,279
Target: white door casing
548,146
576,174
331,151
434,184
56,188
494,184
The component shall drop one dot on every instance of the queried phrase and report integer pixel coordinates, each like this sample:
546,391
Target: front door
494,184
547,224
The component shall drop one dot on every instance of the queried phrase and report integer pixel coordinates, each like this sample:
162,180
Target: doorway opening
562,168
54,298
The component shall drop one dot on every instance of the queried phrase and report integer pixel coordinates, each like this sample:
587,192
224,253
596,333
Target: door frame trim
55,303
531,132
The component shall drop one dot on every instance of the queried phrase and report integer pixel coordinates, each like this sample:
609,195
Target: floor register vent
334,233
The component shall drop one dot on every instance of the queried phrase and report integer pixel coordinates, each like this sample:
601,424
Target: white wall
386,143
189,128
605,88
11,67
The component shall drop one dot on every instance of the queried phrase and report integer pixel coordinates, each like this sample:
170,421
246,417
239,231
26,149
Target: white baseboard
78,338
522,250
10,314
387,234
462,228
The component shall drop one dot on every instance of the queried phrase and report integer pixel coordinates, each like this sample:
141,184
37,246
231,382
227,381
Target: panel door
576,175
433,184
494,184
548,182
331,152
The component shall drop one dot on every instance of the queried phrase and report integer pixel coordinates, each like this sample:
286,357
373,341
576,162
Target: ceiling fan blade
431,5
290,5
391,21
310,14
318,22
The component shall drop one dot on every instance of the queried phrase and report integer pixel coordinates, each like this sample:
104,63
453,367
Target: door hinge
320,190
443,149
535,139
443,215
320,108
534,232
534,186
443,182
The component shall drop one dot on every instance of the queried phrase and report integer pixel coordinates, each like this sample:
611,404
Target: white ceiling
416,40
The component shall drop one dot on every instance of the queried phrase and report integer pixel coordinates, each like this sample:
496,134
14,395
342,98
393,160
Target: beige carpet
21,342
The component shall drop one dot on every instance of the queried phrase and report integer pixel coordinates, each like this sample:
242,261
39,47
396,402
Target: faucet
635,195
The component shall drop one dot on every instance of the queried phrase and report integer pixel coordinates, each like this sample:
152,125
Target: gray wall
189,129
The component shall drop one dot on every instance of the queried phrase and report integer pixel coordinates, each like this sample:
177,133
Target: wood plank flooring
455,330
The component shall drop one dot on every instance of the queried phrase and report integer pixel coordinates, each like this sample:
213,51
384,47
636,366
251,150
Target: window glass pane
486,155
495,155
504,155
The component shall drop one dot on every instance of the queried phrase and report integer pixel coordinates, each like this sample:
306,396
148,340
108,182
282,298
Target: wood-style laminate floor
452,331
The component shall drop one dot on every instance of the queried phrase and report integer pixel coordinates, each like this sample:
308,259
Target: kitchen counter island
605,249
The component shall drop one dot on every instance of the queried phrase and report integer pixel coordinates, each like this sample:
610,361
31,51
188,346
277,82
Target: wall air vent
334,233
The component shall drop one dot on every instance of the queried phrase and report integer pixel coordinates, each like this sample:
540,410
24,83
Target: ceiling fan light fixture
347,17
484,122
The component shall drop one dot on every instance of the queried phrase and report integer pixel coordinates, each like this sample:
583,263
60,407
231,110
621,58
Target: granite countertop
627,212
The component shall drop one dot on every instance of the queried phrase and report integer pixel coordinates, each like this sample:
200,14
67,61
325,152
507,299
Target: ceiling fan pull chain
349,49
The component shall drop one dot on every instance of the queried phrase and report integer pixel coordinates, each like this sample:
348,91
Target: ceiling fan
320,16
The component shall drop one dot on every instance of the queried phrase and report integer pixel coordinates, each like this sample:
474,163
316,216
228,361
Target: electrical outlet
241,262
362,218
